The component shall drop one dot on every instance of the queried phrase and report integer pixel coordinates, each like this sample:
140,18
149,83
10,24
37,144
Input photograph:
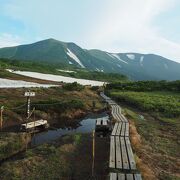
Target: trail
121,160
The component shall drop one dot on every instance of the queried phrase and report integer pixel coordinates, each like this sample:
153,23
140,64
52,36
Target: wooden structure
128,176
102,126
35,125
121,155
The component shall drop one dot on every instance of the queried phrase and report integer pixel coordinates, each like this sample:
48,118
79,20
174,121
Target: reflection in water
85,126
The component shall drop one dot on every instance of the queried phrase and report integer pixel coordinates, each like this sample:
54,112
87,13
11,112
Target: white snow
141,60
58,78
9,70
7,83
131,56
119,65
73,56
117,57
111,55
70,62
62,70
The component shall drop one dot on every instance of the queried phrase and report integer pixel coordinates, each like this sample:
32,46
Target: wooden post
1,118
93,153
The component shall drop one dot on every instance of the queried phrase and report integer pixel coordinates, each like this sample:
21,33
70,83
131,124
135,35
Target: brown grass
143,166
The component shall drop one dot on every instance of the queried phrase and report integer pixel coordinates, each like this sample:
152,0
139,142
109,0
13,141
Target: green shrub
73,87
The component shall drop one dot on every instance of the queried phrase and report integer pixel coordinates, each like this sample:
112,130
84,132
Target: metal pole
28,105
2,109
93,153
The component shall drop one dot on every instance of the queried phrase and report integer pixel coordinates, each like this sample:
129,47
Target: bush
73,87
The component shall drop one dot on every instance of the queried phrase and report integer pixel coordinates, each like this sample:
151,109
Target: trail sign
29,94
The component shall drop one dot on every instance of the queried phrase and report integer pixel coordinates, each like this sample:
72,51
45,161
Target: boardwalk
121,159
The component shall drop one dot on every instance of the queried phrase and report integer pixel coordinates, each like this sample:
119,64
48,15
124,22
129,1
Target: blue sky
144,26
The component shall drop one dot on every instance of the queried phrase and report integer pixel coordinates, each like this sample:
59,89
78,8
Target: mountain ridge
136,66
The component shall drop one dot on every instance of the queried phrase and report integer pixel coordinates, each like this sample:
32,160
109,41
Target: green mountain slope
135,66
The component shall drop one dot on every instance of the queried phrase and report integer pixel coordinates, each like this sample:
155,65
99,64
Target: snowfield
58,78
62,70
117,57
131,56
141,60
7,83
73,56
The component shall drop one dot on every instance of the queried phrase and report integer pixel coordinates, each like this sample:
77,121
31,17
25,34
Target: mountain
135,66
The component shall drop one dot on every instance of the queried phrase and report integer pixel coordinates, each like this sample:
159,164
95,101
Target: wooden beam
124,154
118,153
112,153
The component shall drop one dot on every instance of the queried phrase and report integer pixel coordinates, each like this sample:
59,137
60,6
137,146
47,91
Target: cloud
7,40
111,25
128,25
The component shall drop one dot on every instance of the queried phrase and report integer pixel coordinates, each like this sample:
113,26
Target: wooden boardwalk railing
121,155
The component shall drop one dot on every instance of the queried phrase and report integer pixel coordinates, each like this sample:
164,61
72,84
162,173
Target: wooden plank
124,154
113,176
123,129
114,129
119,110
129,177
125,119
113,109
104,122
98,122
127,129
121,176
130,154
118,132
120,118
118,153
137,177
33,124
112,153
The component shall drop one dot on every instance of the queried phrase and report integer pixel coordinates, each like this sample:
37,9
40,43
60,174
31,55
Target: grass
12,143
166,103
159,146
68,158
49,103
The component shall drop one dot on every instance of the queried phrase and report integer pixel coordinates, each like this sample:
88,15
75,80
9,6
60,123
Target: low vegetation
153,108
54,69
12,143
50,103
157,149
161,97
70,157
146,86
164,103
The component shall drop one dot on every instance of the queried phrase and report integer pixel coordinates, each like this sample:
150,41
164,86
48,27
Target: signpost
29,94
1,118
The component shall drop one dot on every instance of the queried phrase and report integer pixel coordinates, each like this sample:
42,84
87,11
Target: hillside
135,66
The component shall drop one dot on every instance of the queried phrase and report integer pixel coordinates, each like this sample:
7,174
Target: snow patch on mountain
141,60
117,57
99,70
73,56
68,71
111,55
131,56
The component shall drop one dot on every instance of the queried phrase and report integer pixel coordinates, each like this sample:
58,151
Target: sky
142,26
